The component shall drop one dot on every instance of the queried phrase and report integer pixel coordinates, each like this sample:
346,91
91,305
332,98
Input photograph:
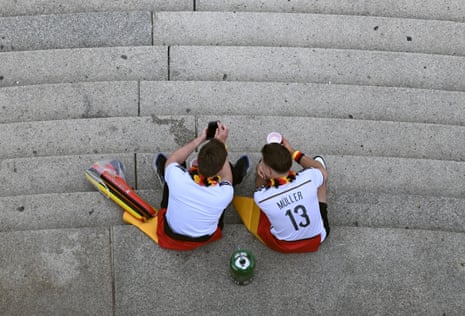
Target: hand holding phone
211,129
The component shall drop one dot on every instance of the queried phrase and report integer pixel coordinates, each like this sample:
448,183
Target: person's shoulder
174,171
307,171
176,166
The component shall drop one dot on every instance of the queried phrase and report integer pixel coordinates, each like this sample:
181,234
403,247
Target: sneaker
159,167
321,161
241,169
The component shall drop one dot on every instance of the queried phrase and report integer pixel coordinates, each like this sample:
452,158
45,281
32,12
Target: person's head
277,157
211,158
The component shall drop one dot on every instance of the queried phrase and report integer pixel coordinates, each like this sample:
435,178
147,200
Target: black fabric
176,236
324,216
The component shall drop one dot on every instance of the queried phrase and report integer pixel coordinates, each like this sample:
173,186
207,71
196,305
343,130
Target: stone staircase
377,88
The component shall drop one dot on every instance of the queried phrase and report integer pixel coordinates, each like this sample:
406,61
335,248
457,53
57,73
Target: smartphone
211,130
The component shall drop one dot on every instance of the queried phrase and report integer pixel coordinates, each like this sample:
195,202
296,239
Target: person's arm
226,173
222,133
180,155
306,161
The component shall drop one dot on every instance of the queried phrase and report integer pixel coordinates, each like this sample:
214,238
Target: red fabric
167,242
305,245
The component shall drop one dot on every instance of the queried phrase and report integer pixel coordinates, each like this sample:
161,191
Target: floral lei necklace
201,180
276,182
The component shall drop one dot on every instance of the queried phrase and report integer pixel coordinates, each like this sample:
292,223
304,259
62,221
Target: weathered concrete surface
368,138
54,174
56,272
309,30
95,136
113,135
392,151
39,7
453,10
78,30
302,99
83,64
357,271
68,101
289,64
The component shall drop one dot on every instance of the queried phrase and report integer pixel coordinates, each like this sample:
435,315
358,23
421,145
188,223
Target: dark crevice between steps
112,271
138,98
152,17
169,61
135,172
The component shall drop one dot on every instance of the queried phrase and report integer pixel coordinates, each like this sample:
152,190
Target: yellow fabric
101,187
149,228
249,213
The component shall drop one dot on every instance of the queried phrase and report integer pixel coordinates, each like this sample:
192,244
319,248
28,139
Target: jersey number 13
298,217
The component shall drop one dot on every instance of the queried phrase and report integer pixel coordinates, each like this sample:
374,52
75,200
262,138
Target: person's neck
276,175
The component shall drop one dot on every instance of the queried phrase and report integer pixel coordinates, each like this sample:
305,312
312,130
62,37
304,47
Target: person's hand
203,135
222,132
287,145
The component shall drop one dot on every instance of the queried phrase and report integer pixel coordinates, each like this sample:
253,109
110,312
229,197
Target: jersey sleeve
317,176
171,170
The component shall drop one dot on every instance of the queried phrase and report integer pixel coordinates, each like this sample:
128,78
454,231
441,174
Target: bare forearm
183,153
308,162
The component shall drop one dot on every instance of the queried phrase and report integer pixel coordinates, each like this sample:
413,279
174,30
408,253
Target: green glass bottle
242,264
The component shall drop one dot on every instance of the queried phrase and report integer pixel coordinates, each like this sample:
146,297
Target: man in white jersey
293,204
195,198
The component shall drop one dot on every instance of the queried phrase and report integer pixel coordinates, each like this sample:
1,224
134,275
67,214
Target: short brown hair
211,157
277,157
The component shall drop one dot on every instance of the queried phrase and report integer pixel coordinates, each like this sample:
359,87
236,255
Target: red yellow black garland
276,182
201,180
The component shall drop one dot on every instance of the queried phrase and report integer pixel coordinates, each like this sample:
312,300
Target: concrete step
330,136
41,7
55,174
365,209
356,209
64,248
69,101
64,210
453,10
357,270
234,63
77,30
248,133
135,28
94,136
83,64
302,99
309,30
122,98
53,272
316,65
62,174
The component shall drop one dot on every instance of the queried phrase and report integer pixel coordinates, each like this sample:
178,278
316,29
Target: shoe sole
161,178
322,161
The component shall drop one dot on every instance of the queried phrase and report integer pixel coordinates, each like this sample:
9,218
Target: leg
322,189
321,193
240,169
324,216
164,200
